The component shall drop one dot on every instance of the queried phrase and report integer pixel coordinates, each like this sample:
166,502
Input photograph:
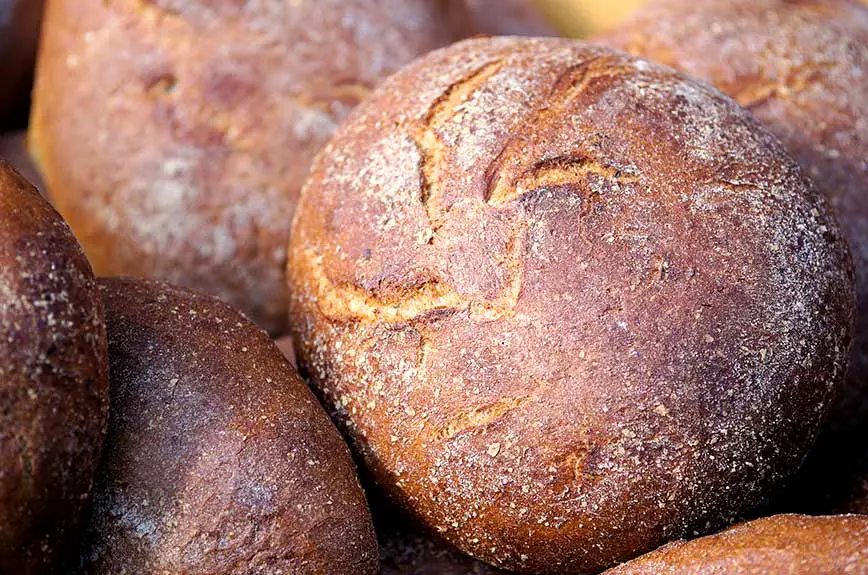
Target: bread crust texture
53,382
218,458
801,68
175,135
567,304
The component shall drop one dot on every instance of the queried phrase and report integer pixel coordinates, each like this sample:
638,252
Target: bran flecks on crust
567,304
801,67
175,135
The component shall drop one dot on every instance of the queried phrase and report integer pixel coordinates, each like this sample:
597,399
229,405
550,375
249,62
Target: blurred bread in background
578,18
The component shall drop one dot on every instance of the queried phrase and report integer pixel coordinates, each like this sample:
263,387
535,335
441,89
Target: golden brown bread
567,304
218,459
19,35
509,18
53,381
779,545
174,135
801,67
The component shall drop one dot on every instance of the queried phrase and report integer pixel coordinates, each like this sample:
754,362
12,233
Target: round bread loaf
791,544
174,135
218,459
567,304
53,382
406,552
802,69
509,18
19,35
13,149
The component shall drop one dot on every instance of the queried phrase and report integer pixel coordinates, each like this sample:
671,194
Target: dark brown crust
174,135
568,305
791,544
801,67
218,459
509,18
53,381
19,35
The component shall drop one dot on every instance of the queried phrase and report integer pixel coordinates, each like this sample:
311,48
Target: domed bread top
53,382
567,304
218,459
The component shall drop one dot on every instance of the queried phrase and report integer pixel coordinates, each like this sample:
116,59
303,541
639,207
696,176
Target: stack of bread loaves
568,309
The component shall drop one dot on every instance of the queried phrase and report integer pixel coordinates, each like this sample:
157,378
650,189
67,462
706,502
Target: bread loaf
53,382
218,459
802,69
791,544
174,135
567,304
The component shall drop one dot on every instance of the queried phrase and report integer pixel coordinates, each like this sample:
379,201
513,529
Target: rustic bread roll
218,459
567,304
13,149
406,552
509,18
802,69
53,381
175,135
791,544
19,35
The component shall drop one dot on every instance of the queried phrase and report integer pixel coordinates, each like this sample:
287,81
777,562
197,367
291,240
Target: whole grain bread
174,135
783,544
53,382
567,304
218,458
802,69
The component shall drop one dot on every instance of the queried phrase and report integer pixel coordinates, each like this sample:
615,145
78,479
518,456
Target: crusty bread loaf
802,69
509,18
174,135
53,382
19,35
567,304
783,544
218,459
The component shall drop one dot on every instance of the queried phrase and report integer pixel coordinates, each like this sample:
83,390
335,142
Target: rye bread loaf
567,304
783,544
174,135
53,382
218,458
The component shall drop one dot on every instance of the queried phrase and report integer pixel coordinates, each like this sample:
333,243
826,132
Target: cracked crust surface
218,460
801,67
791,544
561,377
53,382
175,135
